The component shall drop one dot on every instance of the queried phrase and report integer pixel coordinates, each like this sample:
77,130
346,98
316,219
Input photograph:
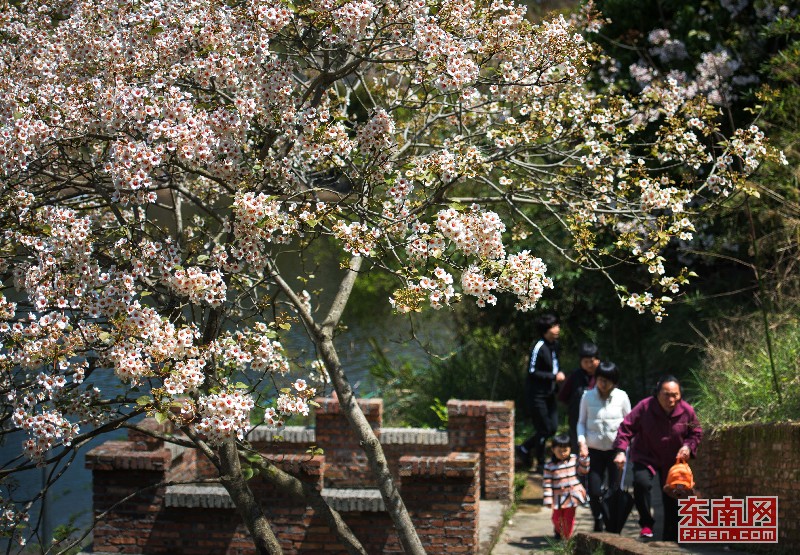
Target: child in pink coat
562,489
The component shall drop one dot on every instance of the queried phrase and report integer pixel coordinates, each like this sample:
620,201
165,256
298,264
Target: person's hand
583,449
560,377
620,460
683,454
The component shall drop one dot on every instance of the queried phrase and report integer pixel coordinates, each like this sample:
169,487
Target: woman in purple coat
665,428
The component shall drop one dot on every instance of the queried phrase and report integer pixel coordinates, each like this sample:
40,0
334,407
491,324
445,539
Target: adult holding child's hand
665,428
602,410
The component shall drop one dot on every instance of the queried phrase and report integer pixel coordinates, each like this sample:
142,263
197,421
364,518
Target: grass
561,547
735,382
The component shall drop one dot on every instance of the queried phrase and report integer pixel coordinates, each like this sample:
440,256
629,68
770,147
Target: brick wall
441,476
756,459
450,525
121,470
486,427
348,463
441,494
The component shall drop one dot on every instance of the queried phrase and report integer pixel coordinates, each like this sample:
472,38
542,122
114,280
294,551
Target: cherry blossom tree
162,161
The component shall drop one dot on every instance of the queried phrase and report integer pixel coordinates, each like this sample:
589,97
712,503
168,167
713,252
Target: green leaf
144,400
161,417
254,458
285,326
248,473
241,385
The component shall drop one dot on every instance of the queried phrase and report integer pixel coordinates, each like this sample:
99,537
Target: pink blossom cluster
7,309
524,276
400,190
272,418
186,377
324,140
273,16
199,286
714,73
253,348
353,19
154,152
294,400
438,288
446,165
261,219
475,232
639,302
12,518
750,145
17,143
145,339
224,415
665,47
151,257
423,244
131,166
377,134
356,237
477,284
130,363
655,195
45,430
436,45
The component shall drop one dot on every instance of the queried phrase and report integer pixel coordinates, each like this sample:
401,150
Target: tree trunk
306,492
372,447
242,496
322,335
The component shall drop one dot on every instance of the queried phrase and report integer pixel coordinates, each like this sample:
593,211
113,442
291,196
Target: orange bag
680,481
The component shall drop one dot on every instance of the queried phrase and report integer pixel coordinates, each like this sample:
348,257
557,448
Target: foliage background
719,335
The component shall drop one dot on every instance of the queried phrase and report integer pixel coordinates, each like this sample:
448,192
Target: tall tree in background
742,56
163,162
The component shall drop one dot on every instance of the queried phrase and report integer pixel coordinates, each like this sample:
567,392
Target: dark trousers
601,464
544,413
643,480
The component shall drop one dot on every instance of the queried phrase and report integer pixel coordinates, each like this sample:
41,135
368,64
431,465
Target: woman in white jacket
601,412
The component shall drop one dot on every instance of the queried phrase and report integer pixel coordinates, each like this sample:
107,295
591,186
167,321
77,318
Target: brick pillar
442,497
348,465
486,427
120,469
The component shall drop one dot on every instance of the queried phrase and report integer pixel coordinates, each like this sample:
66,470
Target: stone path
530,531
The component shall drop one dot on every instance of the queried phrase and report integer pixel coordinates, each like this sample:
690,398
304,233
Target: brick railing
753,460
440,475
484,427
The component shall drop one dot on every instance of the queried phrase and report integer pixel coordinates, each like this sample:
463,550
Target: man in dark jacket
540,387
665,429
573,387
